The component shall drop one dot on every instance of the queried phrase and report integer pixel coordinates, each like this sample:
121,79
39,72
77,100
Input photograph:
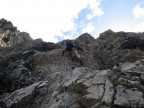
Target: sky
55,20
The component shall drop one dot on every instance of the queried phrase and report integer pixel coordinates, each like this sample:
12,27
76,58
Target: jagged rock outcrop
86,42
107,54
85,88
34,75
17,68
132,42
9,35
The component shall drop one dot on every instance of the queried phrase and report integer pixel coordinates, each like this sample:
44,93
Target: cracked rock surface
34,75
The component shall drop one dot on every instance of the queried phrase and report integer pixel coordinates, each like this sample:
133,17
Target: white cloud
139,11
96,11
139,27
46,19
88,29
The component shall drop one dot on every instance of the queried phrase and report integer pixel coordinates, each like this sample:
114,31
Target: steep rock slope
34,75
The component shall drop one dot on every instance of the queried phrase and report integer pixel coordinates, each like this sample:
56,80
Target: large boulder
25,97
128,98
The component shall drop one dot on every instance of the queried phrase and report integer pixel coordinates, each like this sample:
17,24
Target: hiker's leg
80,61
72,56
76,53
78,56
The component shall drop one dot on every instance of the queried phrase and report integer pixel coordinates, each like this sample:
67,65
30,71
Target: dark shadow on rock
131,43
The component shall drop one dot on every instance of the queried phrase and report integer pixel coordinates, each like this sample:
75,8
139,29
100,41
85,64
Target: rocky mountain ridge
9,35
34,75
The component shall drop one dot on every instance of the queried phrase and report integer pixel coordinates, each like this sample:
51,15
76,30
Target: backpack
70,43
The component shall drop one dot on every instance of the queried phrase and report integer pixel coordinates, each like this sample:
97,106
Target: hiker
72,48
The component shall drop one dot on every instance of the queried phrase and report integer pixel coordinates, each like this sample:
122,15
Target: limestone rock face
106,50
9,35
33,74
128,98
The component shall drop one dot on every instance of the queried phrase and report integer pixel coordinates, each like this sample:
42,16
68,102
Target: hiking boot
80,61
73,58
